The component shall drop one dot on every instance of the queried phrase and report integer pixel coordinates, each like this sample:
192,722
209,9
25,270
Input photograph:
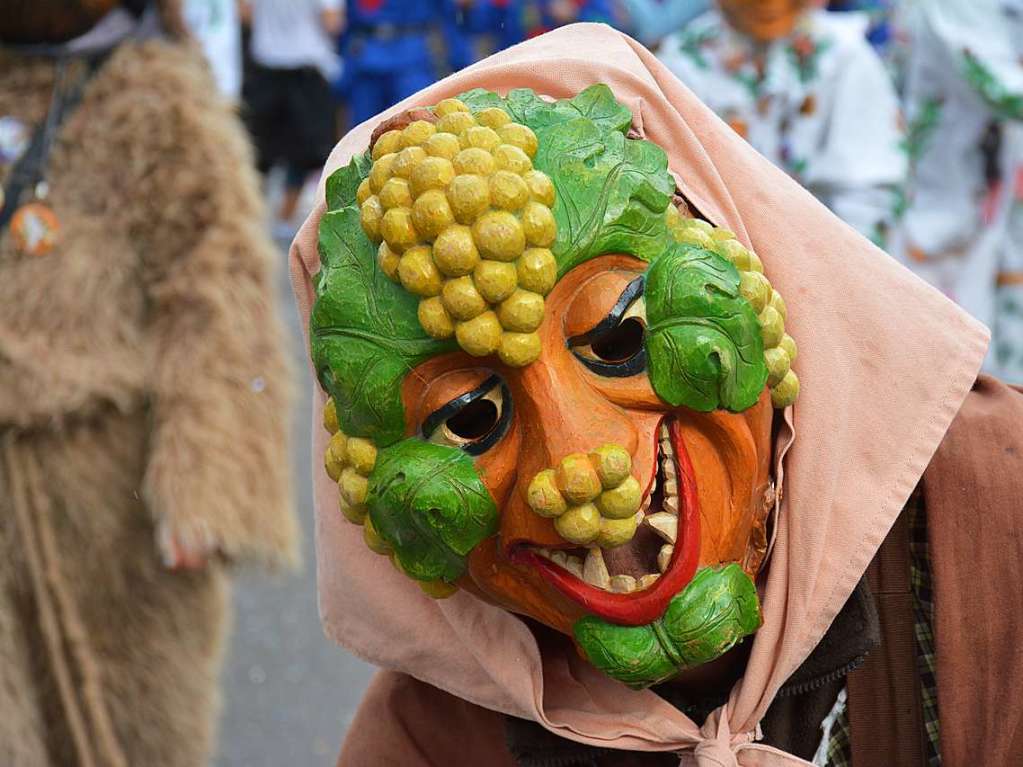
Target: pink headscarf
885,362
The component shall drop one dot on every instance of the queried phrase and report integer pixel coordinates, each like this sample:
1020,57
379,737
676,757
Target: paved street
289,693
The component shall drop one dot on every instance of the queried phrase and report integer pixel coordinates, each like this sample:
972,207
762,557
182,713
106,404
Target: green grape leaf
612,191
703,342
364,332
343,183
430,504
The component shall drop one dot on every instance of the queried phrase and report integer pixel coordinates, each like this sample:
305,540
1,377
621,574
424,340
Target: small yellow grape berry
508,157
695,237
354,513
616,532
382,170
434,318
521,312
406,161
519,136
437,589
579,525
537,270
789,345
495,280
371,213
335,455
354,487
461,298
397,230
416,133
778,364
700,224
613,464
756,289
362,455
541,188
772,326
455,123
442,145
720,234
508,190
493,117
474,160
499,235
455,252
479,336
538,224
778,303
372,538
388,261
787,390
673,217
396,194
480,136
364,191
621,501
418,273
736,253
450,106
431,213
755,264
469,196
519,349
577,479
330,422
386,143
432,173
543,495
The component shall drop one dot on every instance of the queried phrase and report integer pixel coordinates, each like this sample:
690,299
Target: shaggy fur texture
143,386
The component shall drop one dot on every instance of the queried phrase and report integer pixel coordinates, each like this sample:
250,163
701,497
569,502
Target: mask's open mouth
633,583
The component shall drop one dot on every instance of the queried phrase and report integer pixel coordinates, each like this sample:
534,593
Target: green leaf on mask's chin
710,616
704,345
430,505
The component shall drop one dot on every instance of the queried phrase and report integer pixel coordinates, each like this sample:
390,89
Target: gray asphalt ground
289,693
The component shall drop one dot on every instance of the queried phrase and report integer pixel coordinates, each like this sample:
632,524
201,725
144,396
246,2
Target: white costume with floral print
818,103
963,225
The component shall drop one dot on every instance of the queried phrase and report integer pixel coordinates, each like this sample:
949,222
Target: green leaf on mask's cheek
364,332
710,616
343,183
704,345
430,504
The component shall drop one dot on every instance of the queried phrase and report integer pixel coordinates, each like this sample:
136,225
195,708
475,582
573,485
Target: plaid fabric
839,753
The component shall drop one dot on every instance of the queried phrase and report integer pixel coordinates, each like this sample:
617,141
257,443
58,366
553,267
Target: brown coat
973,491
142,387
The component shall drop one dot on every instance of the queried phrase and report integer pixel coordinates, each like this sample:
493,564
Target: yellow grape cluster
464,221
349,462
592,498
779,346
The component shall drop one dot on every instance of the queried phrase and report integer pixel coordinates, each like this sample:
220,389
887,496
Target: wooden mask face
763,20
587,442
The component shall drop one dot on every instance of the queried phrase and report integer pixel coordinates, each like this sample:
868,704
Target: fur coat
143,400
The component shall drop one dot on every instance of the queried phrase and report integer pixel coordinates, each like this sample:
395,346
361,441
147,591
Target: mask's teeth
664,524
647,580
671,504
558,557
670,487
595,569
664,556
623,584
668,467
574,565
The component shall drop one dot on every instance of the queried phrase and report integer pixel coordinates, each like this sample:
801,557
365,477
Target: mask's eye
475,421
614,347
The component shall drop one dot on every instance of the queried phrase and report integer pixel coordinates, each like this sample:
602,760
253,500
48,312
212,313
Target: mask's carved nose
592,498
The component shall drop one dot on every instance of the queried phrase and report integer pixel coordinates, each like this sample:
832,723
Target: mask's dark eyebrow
632,291
443,413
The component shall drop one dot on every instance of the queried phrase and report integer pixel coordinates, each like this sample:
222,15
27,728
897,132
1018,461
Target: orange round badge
35,229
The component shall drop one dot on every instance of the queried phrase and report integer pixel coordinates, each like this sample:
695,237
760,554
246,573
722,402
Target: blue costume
386,52
477,28
540,17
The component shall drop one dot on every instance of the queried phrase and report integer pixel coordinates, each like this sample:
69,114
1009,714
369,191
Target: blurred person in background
143,387
215,25
963,225
807,91
387,54
544,15
474,29
289,106
649,21
879,13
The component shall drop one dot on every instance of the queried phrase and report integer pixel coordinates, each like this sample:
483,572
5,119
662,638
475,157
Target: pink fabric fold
885,362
